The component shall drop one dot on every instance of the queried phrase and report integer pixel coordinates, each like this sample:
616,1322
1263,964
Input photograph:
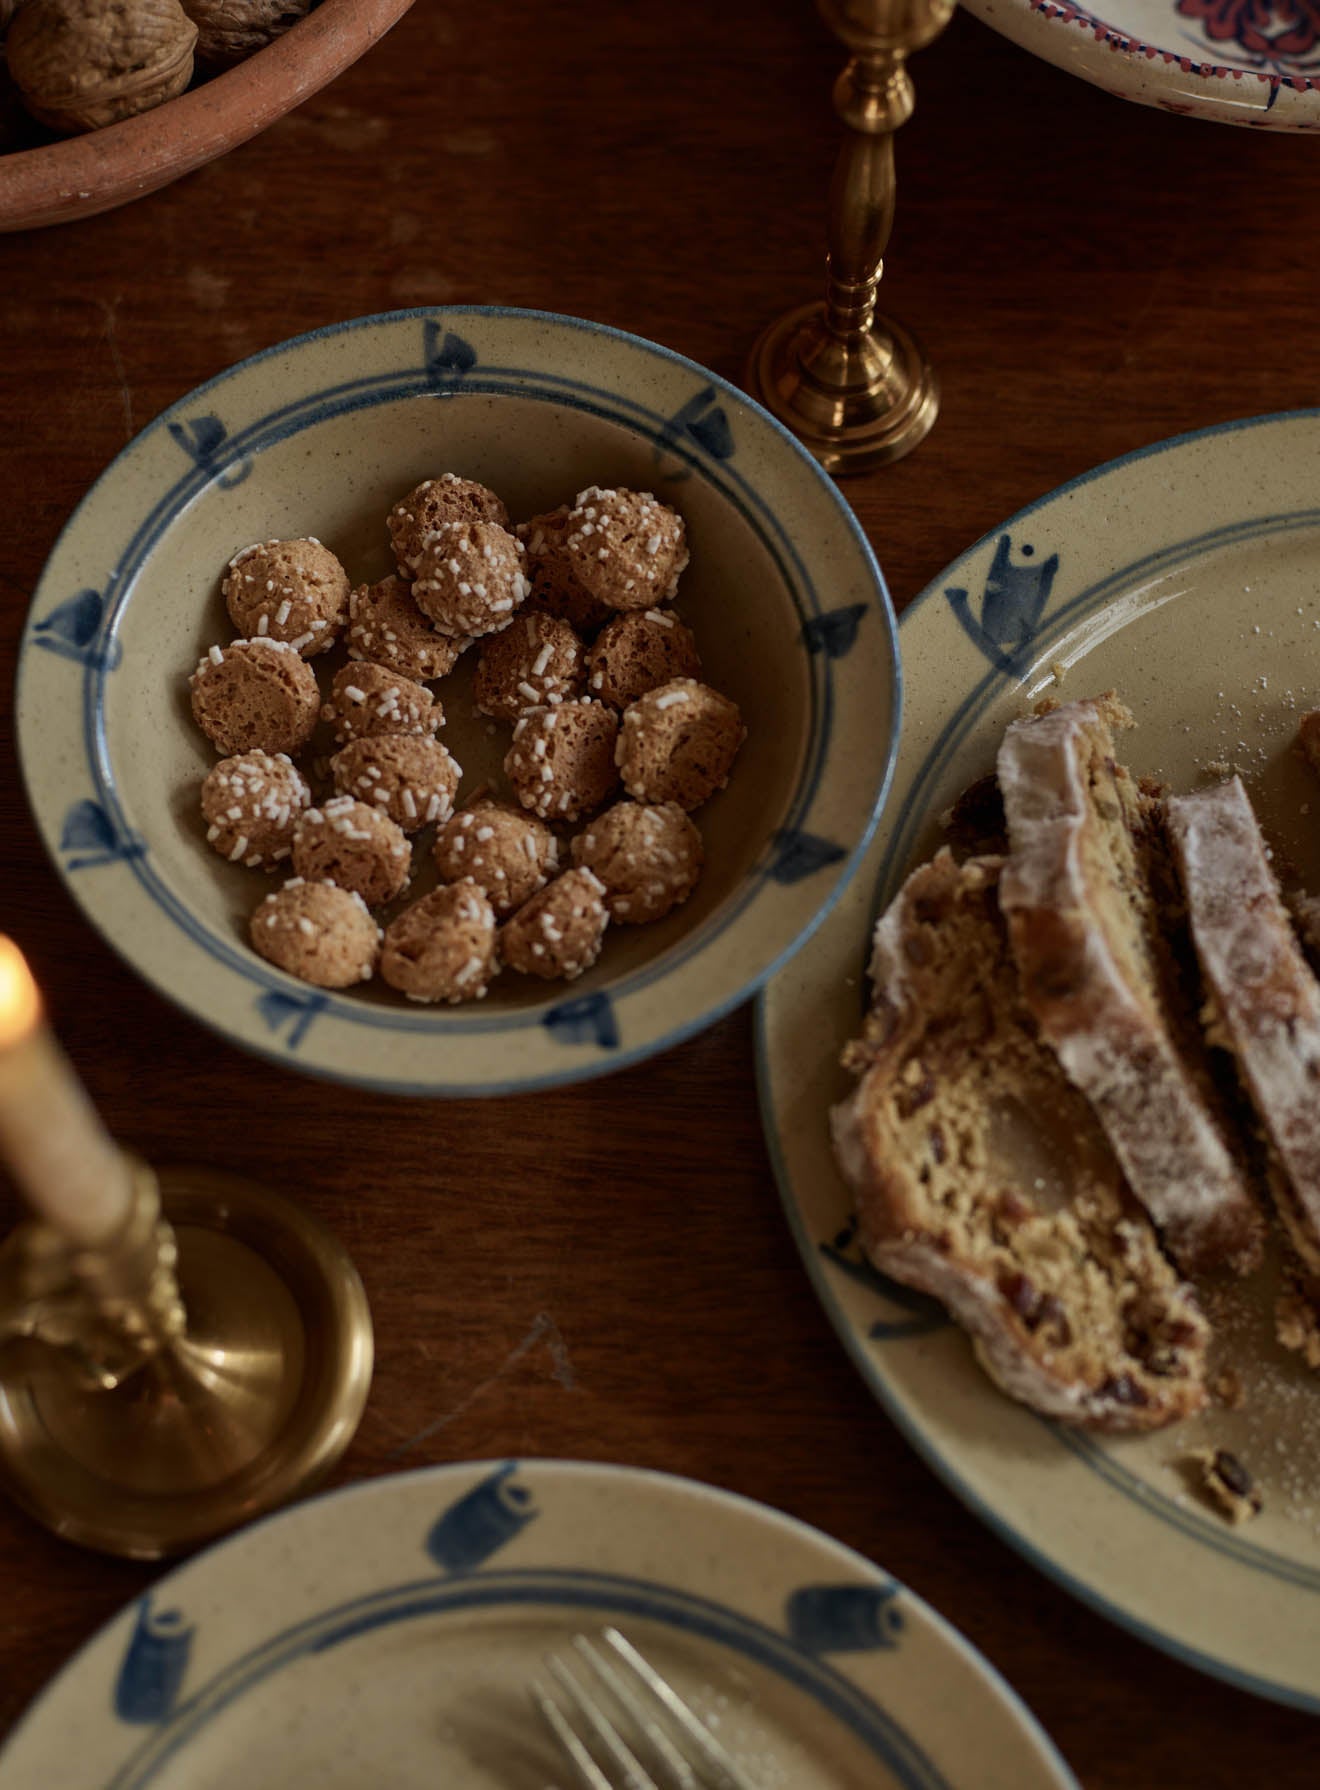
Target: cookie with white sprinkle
678,743
386,627
255,695
561,763
638,652
470,578
507,853
647,858
355,847
251,804
295,591
625,547
366,700
535,661
442,948
558,933
318,932
555,588
433,503
411,779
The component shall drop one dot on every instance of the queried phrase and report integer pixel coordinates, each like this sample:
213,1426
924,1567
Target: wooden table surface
604,1272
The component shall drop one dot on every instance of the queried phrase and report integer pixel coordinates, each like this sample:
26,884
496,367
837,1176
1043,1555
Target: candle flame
20,1004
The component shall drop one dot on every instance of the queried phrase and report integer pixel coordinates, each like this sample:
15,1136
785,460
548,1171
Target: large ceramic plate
387,1635
1189,577
1232,61
319,436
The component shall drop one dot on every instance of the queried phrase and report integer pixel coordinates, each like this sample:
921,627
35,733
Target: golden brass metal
855,387
126,1425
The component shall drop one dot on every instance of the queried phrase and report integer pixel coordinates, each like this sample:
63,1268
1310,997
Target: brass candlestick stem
854,387
210,1360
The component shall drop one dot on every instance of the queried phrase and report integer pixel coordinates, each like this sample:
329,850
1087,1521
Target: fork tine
723,1773
680,1773
635,1774
589,1773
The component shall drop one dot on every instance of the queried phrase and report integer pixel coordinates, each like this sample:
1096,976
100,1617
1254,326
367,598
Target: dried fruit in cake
639,652
648,858
959,1115
318,932
1079,894
678,743
295,591
410,778
558,933
507,853
251,804
255,696
442,948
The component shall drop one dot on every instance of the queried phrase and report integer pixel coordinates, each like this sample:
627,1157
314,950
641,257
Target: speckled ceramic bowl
318,436
82,175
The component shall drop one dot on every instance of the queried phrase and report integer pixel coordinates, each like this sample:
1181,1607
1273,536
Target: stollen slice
980,1175
1088,931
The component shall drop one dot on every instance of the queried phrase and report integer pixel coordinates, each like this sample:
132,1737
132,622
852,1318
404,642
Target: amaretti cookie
442,948
678,743
318,932
386,627
255,696
410,778
470,578
1070,1303
295,591
639,652
251,805
366,700
535,662
648,859
506,852
353,846
428,506
625,547
559,932
1098,975
562,761
555,587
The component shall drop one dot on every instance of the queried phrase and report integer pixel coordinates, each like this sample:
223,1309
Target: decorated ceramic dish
388,1634
318,437
1187,576
1233,61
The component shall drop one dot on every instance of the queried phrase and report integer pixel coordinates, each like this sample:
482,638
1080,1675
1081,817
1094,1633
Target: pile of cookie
577,648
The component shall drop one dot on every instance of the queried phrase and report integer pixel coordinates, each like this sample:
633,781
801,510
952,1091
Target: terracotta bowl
83,175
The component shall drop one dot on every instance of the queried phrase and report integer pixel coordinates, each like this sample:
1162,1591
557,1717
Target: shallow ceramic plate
1189,577
1232,61
388,1633
319,436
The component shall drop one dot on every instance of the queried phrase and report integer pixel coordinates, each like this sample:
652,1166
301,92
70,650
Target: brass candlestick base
854,387
148,1403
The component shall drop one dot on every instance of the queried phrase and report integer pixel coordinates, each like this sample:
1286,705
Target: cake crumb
1223,1482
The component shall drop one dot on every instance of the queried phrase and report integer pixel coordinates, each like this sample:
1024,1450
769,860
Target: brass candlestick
856,388
203,1364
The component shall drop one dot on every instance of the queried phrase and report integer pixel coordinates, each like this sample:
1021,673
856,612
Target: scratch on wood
544,1329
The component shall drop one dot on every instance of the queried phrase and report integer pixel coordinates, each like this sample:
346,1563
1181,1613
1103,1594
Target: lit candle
60,1154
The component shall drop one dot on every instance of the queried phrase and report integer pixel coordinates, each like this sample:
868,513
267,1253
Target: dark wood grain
604,1272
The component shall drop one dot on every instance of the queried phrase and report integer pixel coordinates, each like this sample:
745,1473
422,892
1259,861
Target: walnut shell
81,64
228,30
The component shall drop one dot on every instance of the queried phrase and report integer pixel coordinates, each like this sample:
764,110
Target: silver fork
677,1745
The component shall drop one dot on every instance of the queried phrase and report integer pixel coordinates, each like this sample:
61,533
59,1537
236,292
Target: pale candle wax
60,1155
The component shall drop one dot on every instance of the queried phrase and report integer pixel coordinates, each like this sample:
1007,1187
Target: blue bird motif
153,1669
1012,604
588,1020
203,439
88,830
798,855
844,1618
835,632
925,1314
446,356
481,1522
703,420
292,1010
71,631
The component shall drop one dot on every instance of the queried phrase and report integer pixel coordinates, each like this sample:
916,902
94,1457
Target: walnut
228,30
81,64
